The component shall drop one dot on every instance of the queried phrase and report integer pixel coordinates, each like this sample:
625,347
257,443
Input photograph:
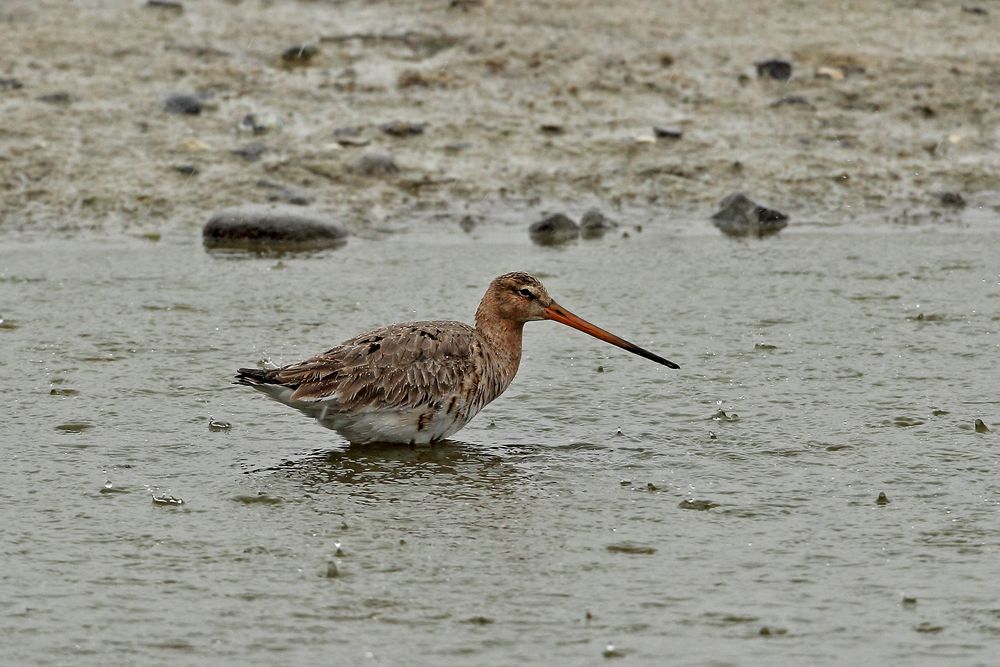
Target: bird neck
503,335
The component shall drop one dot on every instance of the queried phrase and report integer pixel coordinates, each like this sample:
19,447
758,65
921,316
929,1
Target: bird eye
524,291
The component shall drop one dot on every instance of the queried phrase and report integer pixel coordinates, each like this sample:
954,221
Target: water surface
846,362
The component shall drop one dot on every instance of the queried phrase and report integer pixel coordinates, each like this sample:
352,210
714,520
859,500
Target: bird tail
253,377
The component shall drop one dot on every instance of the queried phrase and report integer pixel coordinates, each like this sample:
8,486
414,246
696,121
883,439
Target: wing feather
411,364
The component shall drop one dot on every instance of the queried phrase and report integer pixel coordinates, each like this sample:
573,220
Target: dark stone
556,228
272,227
59,99
551,128
375,164
251,123
594,224
10,84
300,55
793,100
186,104
780,70
667,133
953,199
172,5
250,152
467,223
739,216
402,128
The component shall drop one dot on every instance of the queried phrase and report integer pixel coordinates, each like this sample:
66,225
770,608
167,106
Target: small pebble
166,500
375,164
630,548
58,99
250,152
699,505
402,128
981,427
300,54
833,73
258,123
551,128
779,70
184,104
611,652
171,5
909,601
671,133
882,499
952,199
217,425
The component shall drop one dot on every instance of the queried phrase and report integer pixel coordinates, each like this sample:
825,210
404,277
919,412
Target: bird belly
414,426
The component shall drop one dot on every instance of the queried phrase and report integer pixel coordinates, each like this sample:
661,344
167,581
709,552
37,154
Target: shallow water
856,360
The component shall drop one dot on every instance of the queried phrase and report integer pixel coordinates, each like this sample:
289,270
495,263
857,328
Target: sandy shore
552,103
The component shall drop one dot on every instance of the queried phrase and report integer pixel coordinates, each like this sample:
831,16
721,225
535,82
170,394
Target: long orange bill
560,314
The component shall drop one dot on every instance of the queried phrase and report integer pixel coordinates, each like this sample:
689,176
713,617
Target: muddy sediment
887,103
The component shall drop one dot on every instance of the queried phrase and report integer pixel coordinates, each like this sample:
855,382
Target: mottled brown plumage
420,382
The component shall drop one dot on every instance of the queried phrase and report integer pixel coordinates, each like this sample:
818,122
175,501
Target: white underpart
389,425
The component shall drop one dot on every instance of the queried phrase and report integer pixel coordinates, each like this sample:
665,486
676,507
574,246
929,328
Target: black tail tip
250,376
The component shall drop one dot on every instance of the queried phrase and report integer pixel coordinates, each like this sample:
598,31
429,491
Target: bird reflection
369,468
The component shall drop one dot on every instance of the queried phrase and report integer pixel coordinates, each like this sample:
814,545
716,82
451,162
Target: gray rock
186,104
556,228
300,54
952,199
271,227
739,216
375,164
671,133
594,224
780,70
250,152
171,5
402,128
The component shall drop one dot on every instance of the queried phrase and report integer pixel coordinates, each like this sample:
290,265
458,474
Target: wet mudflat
603,507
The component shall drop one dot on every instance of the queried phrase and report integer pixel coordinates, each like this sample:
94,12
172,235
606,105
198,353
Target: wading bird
420,382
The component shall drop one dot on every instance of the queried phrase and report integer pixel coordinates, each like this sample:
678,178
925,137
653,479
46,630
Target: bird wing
411,364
